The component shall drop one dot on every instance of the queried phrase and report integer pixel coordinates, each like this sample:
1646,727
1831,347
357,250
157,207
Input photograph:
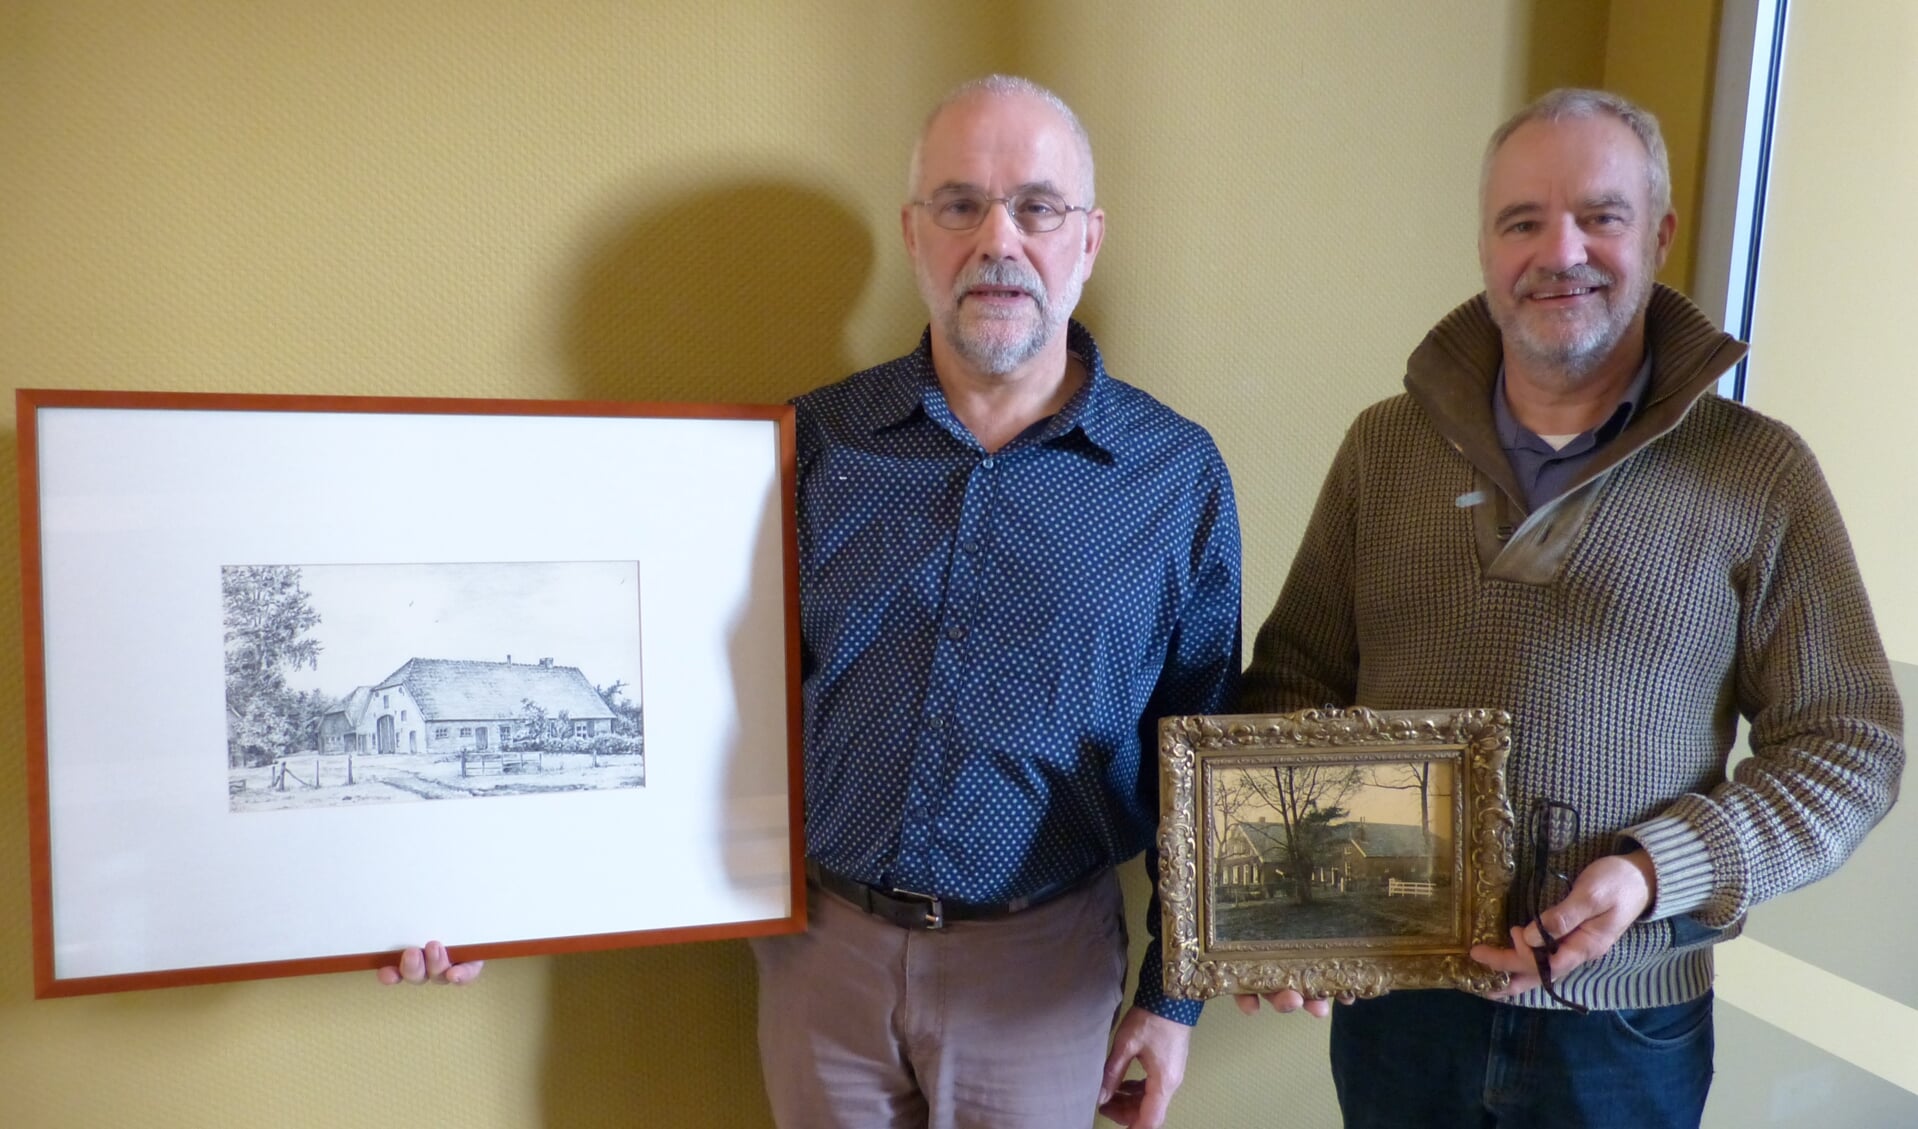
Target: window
402,715
386,701
439,733
466,731
1751,43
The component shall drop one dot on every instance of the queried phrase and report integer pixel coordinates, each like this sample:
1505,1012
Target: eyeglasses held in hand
962,209
1554,831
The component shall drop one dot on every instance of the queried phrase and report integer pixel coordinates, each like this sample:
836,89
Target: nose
1564,246
999,236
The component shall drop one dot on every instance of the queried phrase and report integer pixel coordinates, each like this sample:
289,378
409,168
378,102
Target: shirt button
970,545
936,721
955,632
986,462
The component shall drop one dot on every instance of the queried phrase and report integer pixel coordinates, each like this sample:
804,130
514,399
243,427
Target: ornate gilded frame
1226,929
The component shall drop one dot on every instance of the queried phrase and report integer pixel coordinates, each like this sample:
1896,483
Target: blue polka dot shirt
990,639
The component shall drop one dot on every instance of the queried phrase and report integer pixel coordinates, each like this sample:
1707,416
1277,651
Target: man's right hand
1283,1002
430,965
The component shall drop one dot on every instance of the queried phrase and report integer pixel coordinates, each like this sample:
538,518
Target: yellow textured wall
1831,343
1660,54
1569,42
675,200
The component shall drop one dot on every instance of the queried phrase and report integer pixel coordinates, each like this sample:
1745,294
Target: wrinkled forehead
1568,161
999,143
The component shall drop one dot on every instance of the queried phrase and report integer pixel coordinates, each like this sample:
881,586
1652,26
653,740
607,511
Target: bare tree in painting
1405,777
1308,799
1234,792
266,616
1231,796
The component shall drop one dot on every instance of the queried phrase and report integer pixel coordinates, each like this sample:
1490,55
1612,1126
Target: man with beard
1560,519
1011,565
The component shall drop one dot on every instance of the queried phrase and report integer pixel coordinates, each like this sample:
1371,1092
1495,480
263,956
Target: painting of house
455,705
1251,861
1370,854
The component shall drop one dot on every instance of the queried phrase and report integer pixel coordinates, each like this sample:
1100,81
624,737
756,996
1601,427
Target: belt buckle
935,913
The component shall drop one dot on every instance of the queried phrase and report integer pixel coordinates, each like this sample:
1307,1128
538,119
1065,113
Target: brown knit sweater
1697,571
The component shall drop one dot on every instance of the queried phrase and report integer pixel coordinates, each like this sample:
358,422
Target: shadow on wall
731,293
661,1036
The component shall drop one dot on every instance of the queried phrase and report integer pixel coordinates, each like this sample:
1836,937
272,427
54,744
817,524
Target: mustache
1001,274
1584,274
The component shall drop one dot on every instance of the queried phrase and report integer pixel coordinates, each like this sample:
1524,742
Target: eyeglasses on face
962,209
1554,830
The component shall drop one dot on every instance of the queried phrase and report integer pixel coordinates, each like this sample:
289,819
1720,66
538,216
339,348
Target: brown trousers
996,1024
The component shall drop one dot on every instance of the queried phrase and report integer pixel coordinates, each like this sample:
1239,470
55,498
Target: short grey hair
1571,104
1004,86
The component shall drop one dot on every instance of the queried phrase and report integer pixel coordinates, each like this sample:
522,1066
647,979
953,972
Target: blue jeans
1449,1060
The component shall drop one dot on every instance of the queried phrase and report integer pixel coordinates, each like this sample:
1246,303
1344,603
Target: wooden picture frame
312,679
1333,852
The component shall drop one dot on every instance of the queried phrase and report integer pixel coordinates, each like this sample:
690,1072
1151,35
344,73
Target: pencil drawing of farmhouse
460,705
311,722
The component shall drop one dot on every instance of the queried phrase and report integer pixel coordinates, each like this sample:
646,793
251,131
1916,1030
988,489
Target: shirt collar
914,389
1513,435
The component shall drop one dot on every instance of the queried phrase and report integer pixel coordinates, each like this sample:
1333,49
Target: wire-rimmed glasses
1554,831
962,209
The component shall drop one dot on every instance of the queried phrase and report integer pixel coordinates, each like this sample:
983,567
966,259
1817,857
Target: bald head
1004,86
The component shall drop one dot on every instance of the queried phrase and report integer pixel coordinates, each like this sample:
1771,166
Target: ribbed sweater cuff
1680,861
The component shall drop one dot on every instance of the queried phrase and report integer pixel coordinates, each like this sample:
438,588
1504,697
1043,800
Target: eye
1606,219
1039,207
958,206
1521,227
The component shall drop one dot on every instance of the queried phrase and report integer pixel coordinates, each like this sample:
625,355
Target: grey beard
1571,361
990,355
998,357
1576,358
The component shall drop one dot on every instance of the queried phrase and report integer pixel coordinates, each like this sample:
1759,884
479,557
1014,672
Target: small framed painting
1333,852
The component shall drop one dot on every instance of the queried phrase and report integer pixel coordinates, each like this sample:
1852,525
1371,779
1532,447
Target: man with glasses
1560,519
1011,565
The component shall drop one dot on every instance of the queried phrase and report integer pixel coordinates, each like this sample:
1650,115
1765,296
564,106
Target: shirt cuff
1151,991
1681,864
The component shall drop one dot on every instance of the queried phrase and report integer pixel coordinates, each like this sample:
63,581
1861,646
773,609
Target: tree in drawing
267,616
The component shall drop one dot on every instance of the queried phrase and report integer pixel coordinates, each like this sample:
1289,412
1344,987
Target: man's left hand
1607,898
1159,1046
429,964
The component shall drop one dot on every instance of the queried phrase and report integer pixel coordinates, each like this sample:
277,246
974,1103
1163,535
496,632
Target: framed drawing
311,679
1333,852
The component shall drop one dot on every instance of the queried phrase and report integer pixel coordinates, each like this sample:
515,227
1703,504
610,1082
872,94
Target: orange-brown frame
28,402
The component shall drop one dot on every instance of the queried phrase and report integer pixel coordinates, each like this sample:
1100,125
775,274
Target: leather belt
910,909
